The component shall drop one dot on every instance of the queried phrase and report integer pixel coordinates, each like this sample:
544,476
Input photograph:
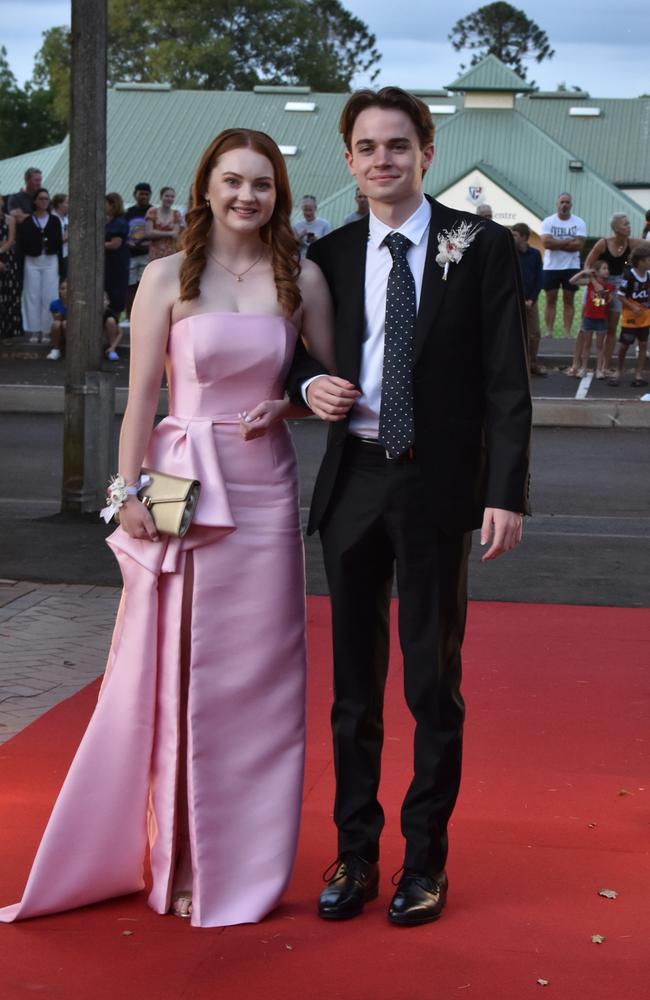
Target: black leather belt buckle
373,443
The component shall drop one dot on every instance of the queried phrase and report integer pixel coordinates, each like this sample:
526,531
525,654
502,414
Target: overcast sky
600,45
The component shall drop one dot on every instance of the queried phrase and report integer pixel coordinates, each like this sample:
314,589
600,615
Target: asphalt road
588,541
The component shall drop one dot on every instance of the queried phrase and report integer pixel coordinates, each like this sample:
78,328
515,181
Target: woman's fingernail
247,419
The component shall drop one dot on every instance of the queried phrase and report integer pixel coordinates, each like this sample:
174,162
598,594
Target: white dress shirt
364,415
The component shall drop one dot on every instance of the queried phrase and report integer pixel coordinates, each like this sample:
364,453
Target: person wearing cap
138,244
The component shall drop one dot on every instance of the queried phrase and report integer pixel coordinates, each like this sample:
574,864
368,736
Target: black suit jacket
472,404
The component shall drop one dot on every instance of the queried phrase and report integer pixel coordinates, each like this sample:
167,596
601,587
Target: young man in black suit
430,412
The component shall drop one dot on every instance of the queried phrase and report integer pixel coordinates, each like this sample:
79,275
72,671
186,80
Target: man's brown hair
391,98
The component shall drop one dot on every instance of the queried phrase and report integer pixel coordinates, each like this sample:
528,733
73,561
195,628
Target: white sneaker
54,354
34,338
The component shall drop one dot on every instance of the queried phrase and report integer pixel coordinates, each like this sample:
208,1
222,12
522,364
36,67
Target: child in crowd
112,331
595,316
59,310
635,324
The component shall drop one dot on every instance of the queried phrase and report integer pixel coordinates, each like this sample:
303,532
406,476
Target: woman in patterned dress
10,319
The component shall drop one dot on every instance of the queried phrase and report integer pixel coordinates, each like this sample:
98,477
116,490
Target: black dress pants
379,519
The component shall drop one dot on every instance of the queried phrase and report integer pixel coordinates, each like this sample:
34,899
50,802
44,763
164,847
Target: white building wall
476,189
640,195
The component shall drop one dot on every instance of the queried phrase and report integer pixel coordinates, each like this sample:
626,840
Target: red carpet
554,807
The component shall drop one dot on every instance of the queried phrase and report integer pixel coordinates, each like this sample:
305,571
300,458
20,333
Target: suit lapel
350,290
433,287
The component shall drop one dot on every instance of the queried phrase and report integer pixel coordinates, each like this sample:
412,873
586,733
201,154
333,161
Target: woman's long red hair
277,233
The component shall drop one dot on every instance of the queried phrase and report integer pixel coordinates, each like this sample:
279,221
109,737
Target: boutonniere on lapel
452,244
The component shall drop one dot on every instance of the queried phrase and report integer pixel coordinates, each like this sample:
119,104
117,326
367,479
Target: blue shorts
559,279
594,325
631,333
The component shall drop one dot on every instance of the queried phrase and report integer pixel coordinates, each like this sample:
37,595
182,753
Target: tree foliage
52,71
504,31
223,45
26,116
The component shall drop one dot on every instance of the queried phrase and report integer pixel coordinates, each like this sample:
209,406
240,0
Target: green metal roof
157,134
160,137
616,143
490,74
534,164
52,160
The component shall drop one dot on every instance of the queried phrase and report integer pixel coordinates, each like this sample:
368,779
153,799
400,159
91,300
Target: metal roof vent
288,150
300,106
442,109
142,86
580,112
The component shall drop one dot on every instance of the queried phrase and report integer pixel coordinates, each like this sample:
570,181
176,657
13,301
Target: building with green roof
497,141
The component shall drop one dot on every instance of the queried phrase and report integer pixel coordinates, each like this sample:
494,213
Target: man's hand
331,397
505,526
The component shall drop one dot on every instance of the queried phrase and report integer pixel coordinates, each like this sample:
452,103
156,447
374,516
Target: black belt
366,444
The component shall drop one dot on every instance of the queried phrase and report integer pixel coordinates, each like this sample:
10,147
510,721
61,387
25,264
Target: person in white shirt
563,235
310,228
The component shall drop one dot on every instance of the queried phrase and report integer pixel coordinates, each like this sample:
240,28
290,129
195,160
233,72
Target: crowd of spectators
34,257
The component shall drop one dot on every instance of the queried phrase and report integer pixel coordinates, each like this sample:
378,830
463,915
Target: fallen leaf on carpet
591,826
597,938
608,893
127,933
542,982
623,791
289,947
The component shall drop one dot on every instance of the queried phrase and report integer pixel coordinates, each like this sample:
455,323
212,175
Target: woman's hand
256,423
137,521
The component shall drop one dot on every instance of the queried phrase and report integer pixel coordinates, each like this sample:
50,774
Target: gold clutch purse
170,500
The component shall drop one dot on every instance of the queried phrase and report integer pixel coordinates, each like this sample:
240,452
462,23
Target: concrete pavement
53,641
31,384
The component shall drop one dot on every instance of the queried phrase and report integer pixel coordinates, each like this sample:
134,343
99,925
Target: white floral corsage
452,244
118,493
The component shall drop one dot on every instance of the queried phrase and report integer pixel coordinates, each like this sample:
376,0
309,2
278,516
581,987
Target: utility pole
88,443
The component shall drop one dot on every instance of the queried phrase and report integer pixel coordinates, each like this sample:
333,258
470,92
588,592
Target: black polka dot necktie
396,410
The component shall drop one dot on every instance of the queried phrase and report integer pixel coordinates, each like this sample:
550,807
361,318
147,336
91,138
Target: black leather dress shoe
419,899
354,883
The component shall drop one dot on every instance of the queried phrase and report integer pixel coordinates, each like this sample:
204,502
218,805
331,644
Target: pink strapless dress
245,718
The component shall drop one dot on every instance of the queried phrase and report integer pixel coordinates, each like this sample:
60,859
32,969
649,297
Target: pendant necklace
240,276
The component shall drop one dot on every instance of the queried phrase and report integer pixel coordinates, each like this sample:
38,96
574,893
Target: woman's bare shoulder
310,276
161,277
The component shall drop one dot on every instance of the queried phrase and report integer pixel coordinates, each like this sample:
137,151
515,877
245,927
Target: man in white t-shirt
310,228
563,236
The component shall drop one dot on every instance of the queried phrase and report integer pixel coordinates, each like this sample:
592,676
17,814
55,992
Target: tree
52,72
223,45
504,31
24,113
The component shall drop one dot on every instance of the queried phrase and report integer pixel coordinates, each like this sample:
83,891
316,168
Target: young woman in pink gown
196,745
